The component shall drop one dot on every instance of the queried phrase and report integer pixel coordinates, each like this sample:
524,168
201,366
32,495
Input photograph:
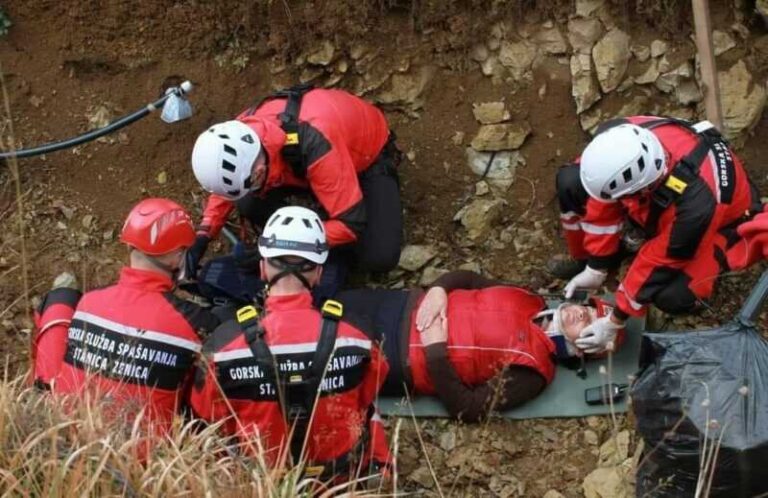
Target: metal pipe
179,91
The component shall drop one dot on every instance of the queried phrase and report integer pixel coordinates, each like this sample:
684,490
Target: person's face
259,172
574,318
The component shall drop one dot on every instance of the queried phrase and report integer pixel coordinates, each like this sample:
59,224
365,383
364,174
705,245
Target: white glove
595,337
589,279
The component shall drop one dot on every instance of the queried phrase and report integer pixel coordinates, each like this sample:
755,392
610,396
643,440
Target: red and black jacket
135,344
718,196
49,342
232,386
341,136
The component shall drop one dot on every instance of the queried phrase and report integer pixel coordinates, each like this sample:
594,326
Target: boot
565,267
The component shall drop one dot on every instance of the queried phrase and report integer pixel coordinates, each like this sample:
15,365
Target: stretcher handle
754,303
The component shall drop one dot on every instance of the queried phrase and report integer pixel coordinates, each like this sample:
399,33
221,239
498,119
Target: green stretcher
563,398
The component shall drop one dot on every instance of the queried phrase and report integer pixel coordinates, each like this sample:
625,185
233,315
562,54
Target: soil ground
62,60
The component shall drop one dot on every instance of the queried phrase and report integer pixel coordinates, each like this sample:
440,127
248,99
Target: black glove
195,254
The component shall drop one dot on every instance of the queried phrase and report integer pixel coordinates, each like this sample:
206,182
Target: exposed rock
480,216
590,119
611,482
742,99
471,266
65,280
611,57
551,41
448,440
479,52
667,82
517,57
495,137
615,450
422,476
481,187
406,88
501,172
458,138
722,42
688,92
585,8
413,257
323,55
87,221
650,75
490,66
490,112
99,116
430,274
162,178
584,87
310,73
583,33
658,48
641,52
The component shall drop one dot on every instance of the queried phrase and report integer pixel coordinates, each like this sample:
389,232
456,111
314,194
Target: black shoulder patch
313,144
221,336
695,209
62,295
203,321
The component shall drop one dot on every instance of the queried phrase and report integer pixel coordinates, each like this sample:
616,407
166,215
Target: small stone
497,137
430,274
490,66
641,52
551,41
610,482
742,99
108,235
722,42
497,168
611,58
583,33
61,225
458,138
65,280
542,91
323,55
584,89
688,92
87,221
411,155
590,437
481,188
490,112
615,450
479,52
162,178
553,494
448,440
423,477
413,257
658,48
36,101
480,216
518,57
650,75
472,266
585,8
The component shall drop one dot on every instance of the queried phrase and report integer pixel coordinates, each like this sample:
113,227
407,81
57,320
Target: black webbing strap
289,122
301,391
253,331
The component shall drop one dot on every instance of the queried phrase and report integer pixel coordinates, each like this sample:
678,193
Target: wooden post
711,90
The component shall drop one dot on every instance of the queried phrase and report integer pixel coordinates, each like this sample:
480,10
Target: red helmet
157,226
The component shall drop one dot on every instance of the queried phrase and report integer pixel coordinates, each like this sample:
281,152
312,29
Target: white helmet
223,158
621,161
294,231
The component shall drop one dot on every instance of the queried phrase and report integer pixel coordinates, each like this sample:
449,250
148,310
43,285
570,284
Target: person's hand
433,305
599,335
194,254
437,332
589,279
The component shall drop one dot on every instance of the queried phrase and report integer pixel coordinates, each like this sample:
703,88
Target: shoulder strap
289,122
248,318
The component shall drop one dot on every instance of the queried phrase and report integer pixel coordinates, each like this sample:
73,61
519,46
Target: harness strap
289,122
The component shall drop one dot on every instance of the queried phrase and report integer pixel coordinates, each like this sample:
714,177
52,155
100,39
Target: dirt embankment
533,66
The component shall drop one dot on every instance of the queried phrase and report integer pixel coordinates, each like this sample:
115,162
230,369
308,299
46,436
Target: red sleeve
378,450
602,225
374,378
333,179
654,265
217,210
49,344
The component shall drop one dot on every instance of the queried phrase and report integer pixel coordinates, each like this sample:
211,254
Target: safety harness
687,169
289,122
298,391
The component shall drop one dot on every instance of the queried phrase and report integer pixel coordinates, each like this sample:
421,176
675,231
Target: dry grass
49,450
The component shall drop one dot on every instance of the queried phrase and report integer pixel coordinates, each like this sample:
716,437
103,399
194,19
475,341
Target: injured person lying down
478,344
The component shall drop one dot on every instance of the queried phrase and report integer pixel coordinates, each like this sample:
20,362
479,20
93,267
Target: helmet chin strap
295,269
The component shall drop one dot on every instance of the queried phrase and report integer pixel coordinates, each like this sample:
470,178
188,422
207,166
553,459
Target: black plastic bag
699,389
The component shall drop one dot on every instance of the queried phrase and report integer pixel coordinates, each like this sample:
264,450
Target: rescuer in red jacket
674,191
262,374
330,142
478,344
132,345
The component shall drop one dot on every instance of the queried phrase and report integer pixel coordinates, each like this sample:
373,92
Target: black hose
93,134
